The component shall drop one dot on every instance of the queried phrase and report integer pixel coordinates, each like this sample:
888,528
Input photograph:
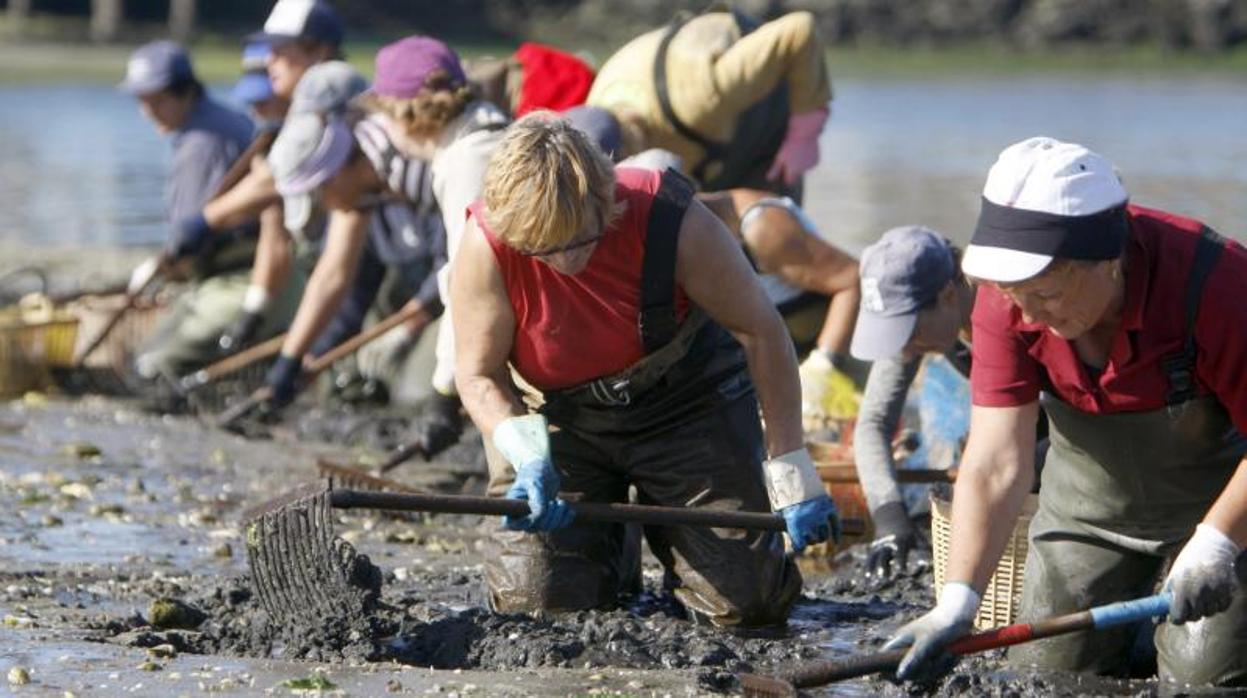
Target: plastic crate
1003,594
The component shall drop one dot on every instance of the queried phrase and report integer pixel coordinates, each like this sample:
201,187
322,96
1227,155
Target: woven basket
1004,591
34,337
138,323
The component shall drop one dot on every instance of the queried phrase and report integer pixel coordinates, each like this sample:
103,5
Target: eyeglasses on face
565,248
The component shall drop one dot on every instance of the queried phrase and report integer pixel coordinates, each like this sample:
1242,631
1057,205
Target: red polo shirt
1014,360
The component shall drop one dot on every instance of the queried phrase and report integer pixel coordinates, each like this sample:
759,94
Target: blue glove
282,379
526,441
190,235
538,484
812,521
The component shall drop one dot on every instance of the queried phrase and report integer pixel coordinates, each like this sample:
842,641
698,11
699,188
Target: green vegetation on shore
217,60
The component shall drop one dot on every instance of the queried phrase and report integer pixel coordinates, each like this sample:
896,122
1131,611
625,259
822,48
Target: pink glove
799,152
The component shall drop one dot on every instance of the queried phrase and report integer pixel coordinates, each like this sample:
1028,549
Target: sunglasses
566,248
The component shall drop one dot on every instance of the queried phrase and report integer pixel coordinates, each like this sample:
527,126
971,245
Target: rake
299,566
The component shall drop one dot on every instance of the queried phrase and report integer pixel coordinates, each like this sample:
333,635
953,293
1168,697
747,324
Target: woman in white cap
1128,325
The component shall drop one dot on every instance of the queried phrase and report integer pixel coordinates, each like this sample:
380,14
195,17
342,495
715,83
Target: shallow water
79,165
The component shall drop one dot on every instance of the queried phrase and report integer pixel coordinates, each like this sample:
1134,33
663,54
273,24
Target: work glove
283,381
190,236
825,390
930,635
526,441
439,425
386,351
1202,578
143,273
799,152
797,493
241,333
894,538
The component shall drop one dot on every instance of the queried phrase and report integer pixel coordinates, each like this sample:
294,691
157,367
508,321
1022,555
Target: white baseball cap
1046,199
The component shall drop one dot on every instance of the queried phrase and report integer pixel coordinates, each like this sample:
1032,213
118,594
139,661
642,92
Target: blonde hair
545,183
439,102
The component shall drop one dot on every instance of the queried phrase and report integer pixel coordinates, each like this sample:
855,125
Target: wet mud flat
122,569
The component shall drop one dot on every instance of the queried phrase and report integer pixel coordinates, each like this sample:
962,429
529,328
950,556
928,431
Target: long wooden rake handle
322,362
266,349
586,511
822,673
116,317
848,474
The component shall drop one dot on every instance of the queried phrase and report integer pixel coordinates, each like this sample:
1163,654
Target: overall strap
657,320
713,149
1179,366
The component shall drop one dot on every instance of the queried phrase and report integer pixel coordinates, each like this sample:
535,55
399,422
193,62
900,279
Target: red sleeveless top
573,329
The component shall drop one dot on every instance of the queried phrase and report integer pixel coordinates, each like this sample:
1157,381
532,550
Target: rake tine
309,542
275,573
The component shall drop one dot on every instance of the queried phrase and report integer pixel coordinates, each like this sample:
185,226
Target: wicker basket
34,337
138,323
1004,591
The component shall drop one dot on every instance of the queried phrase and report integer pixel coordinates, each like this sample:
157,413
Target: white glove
142,274
1202,578
792,479
933,632
386,351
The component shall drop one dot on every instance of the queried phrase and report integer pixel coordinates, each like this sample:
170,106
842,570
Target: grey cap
309,151
599,125
154,66
901,274
327,88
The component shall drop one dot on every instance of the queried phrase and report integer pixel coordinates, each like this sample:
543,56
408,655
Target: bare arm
781,246
996,472
334,272
274,256
245,200
1229,513
713,271
484,325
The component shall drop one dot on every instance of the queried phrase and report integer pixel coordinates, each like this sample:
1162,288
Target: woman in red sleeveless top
630,316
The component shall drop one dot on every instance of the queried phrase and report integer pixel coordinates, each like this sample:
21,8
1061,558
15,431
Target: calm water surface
78,165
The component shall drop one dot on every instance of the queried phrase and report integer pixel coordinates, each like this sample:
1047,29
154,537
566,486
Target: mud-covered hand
894,539
797,493
190,236
283,380
825,390
1202,578
930,635
525,443
799,152
439,425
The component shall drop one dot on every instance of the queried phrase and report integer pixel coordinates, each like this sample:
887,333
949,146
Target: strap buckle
613,394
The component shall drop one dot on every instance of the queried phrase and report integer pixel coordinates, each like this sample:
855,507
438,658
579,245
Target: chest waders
681,426
760,129
1122,492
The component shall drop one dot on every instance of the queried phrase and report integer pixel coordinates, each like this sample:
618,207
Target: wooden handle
353,344
266,349
848,474
242,165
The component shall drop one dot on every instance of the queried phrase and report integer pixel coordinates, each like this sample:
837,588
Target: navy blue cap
252,87
901,274
155,66
291,20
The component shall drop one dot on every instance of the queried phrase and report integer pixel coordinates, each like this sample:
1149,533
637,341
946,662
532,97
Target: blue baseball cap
901,274
255,56
154,66
292,20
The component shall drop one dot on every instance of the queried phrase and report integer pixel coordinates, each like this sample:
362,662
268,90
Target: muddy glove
143,273
283,380
189,237
1202,578
797,493
439,425
799,151
254,304
894,538
525,443
825,391
931,634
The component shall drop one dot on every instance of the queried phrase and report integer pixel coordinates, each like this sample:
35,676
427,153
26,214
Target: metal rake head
298,567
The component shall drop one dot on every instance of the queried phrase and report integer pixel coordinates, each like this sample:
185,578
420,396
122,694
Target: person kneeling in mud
615,296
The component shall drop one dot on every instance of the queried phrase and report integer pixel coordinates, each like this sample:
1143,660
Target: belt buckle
612,394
